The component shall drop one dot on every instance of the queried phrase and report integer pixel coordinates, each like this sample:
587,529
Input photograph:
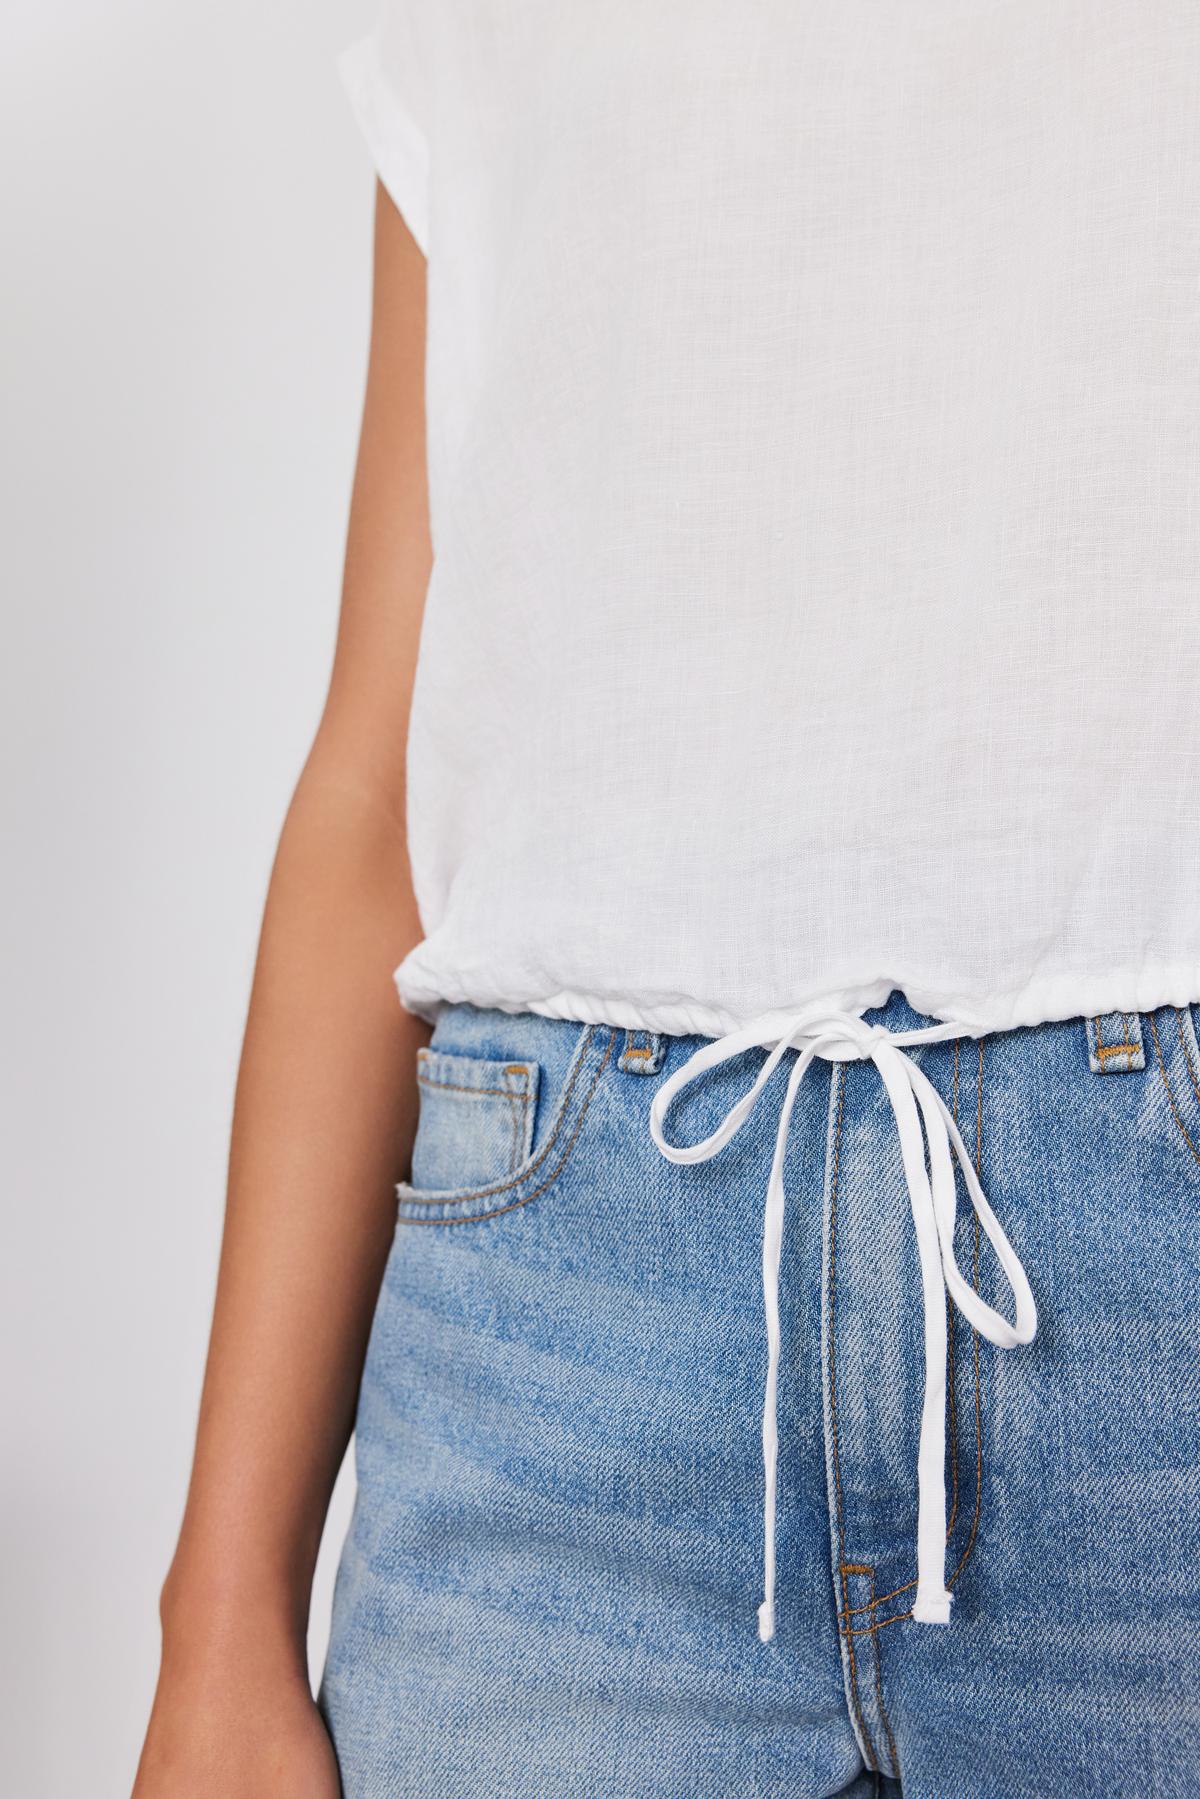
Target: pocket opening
541,1166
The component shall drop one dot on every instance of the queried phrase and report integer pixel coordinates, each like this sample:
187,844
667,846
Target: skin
324,1119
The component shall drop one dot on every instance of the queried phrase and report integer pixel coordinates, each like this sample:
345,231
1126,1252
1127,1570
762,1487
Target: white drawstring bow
843,1037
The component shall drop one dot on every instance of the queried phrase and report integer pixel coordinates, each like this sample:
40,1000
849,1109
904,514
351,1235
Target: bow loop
930,1142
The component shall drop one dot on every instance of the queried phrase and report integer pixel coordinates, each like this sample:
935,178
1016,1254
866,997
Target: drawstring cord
843,1037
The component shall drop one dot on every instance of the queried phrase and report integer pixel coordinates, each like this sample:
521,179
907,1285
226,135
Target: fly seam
862,1568
886,1721
950,1321
975,1283
853,1611
839,1076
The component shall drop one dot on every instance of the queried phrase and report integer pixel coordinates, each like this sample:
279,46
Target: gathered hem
1046,1000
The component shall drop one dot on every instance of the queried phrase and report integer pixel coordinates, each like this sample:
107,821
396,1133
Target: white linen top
814,449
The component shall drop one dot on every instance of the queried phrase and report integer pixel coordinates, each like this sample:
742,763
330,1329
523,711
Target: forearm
323,1122
326,1096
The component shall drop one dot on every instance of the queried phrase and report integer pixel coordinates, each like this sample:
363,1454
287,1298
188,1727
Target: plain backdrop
185,211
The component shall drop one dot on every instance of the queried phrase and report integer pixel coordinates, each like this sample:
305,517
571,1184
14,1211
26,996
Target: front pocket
467,1118
476,1119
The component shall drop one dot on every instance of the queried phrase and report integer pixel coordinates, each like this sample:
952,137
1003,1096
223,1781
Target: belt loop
1115,1043
643,1052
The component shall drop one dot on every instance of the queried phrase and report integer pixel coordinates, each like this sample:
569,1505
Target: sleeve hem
397,144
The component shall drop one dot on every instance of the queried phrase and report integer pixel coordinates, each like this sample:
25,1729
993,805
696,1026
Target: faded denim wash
549,1587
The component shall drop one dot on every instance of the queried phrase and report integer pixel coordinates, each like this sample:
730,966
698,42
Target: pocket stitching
485,1092
430,1198
425,1079
518,1096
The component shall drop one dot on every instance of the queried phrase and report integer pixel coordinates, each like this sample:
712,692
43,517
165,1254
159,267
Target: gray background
185,252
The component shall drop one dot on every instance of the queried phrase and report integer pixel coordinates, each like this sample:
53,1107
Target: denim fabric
549,1586
487,1108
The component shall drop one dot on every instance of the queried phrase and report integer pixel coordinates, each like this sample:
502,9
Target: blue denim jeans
549,1587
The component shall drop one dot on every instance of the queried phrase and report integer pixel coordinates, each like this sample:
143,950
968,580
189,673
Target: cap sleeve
380,73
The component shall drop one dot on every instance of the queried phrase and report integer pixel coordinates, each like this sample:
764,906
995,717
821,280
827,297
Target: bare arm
323,1124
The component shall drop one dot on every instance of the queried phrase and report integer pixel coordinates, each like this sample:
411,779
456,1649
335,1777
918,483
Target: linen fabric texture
814,452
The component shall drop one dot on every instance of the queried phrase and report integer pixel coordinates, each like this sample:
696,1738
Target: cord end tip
934,1608
766,1621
